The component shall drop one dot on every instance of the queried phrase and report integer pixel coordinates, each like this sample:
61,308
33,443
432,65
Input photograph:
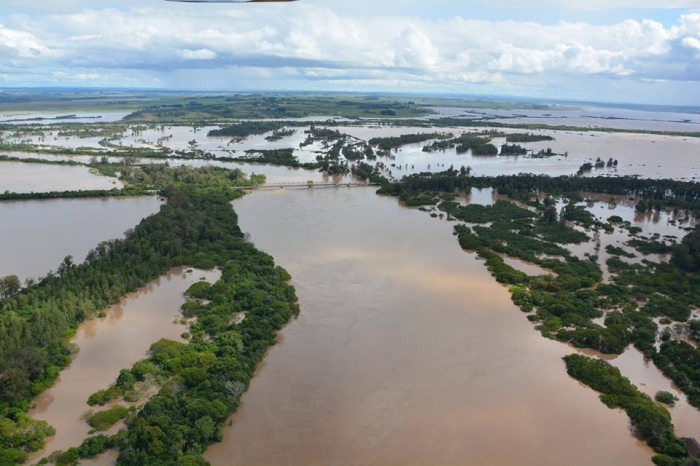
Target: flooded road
406,352
37,235
108,345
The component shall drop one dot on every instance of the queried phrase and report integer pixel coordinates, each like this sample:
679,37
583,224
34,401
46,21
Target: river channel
406,352
108,345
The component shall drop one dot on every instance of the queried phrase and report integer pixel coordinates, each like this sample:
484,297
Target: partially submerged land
198,228
565,302
604,300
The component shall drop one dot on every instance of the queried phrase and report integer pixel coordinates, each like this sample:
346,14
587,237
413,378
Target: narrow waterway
108,345
406,352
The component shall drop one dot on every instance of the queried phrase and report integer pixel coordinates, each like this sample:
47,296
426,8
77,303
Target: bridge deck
309,185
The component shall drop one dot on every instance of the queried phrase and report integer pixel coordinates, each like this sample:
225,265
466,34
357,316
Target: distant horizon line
433,94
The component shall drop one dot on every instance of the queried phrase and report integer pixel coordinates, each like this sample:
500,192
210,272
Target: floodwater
108,345
19,177
48,118
406,352
37,235
589,116
649,379
650,156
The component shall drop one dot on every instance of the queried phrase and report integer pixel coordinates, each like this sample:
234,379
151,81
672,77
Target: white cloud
200,54
594,4
21,44
692,42
313,43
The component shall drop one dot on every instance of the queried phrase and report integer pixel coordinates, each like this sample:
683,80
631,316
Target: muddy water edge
406,352
108,345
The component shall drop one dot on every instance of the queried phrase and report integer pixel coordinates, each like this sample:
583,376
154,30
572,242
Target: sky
632,51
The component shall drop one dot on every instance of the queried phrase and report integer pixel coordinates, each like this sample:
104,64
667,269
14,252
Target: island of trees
202,380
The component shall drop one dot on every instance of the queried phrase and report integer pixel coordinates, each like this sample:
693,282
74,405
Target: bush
666,398
103,420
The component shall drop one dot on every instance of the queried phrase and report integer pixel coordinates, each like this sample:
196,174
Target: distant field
254,106
179,107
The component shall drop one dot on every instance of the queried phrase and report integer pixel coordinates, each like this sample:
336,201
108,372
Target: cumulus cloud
316,43
596,4
200,54
21,44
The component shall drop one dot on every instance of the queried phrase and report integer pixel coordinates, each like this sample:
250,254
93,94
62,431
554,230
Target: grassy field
256,106
184,106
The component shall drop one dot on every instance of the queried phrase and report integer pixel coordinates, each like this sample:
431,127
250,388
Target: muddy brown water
37,235
108,345
19,177
406,352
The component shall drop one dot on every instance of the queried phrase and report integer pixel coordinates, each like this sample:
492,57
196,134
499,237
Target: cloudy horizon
636,51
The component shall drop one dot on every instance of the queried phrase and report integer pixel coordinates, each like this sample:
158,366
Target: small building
692,447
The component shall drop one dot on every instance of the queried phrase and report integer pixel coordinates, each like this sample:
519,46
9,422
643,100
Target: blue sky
643,51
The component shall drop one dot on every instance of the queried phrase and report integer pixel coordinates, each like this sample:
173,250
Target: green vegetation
649,246
284,157
390,143
513,149
102,397
80,194
650,421
528,137
358,151
197,227
202,381
543,154
20,435
687,254
259,106
667,398
280,134
245,129
477,143
668,194
475,213
103,420
680,361
615,251
7,158
564,305
471,123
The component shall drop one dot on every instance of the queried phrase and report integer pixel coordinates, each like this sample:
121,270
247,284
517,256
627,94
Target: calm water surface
18,177
108,345
37,235
406,352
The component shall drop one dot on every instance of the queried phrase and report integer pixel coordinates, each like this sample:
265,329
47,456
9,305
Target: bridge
307,185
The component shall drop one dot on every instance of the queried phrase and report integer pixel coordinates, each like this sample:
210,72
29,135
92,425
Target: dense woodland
390,143
197,227
651,422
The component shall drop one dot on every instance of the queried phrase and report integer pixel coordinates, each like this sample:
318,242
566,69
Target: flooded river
18,177
37,235
406,352
108,345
